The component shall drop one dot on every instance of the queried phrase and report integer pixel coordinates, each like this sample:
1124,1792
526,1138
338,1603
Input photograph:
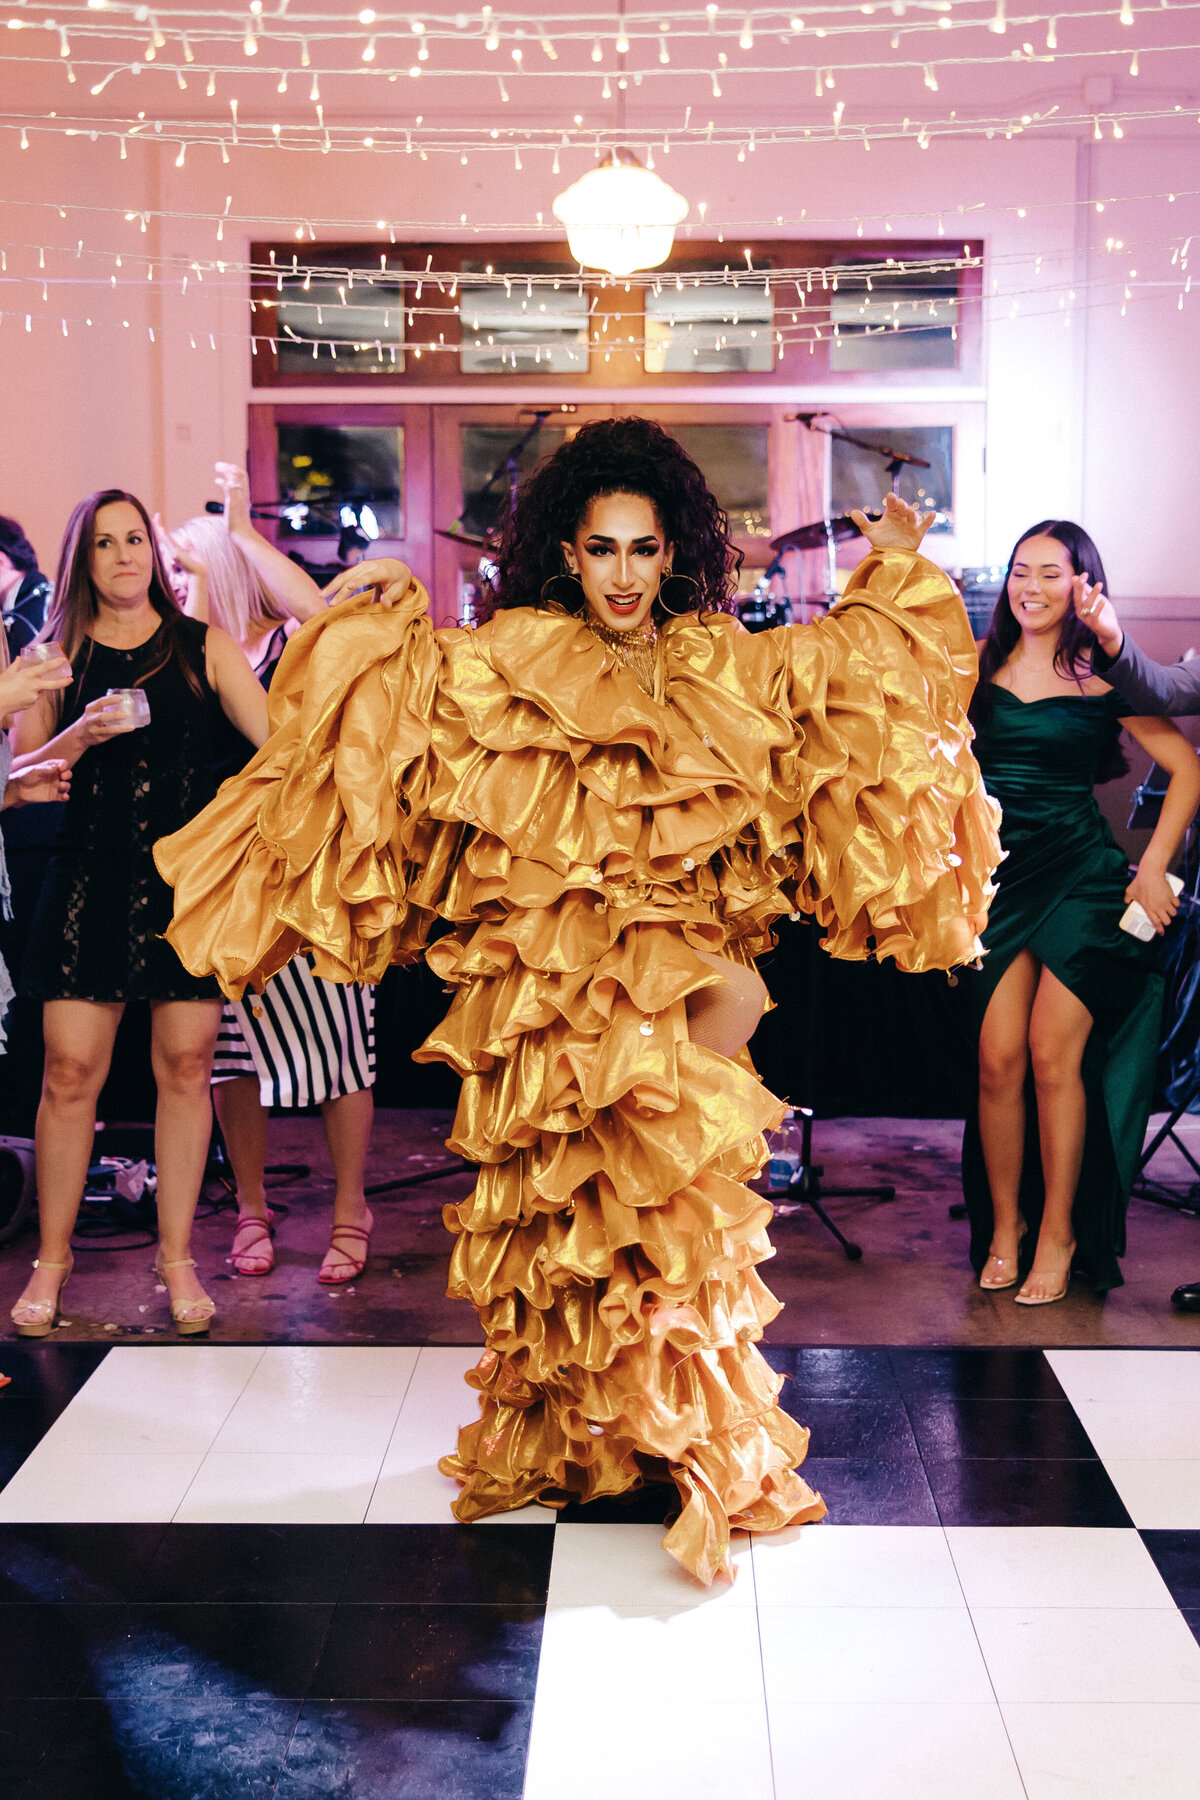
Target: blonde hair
238,598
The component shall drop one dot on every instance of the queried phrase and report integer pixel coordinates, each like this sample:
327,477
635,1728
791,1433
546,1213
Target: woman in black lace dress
97,937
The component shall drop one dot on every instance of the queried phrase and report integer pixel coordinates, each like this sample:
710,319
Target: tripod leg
853,1251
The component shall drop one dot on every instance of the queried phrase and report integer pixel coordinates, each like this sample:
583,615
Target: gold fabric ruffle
583,842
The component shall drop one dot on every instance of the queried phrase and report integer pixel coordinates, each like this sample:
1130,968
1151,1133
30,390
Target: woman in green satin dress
1068,1005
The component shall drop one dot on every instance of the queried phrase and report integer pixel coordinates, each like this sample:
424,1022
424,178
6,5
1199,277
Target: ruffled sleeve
898,837
324,841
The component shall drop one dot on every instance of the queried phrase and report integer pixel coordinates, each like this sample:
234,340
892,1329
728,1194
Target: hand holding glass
135,705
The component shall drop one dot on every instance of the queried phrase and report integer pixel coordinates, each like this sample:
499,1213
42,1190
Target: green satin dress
1061,895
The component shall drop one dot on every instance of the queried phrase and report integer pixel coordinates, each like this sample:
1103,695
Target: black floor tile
53,1651
475,1565
652,1504
870,1491
52,1372
993,1491
169,1747
218,1651
1192,1615
78,1563
949,1426
401,1750
1000,1373
1177,1557
27,1728
875,1427
839,1374
281,1563
430,1653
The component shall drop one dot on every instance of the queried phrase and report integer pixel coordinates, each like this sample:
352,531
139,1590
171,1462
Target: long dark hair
74,606
1074,639
616,456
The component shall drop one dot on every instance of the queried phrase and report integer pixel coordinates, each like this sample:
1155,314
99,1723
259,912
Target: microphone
805,418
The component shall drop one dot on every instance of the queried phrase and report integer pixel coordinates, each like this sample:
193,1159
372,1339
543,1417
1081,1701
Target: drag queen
609,792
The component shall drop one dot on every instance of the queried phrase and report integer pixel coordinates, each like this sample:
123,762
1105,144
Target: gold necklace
637,649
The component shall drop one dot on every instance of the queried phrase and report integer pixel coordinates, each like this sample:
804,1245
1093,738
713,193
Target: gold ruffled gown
584,839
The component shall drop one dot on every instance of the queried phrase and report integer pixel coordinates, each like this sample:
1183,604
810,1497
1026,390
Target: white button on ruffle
646,1028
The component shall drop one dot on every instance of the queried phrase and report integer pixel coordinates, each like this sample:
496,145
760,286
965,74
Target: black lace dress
97,934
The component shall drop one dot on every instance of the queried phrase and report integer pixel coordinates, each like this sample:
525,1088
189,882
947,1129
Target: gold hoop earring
563,575
680,612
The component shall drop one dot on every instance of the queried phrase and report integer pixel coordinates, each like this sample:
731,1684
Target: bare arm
1168,746
294,589
236,686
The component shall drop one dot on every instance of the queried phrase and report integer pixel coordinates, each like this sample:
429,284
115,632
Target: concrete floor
913,1286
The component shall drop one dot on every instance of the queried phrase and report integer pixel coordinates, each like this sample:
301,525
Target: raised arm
291,585
236,686
1154,688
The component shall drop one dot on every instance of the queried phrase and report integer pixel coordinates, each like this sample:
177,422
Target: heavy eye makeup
606,547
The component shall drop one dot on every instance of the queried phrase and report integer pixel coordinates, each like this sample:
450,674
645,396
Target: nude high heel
189,1317
37,1318
1004,1264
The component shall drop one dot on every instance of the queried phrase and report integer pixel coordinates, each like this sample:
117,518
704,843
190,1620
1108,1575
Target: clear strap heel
189,1317
37,1318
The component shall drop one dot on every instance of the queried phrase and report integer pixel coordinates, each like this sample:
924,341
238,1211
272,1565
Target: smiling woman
1064,994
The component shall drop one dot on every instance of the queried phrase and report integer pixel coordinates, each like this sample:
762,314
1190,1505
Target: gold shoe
189,1317
37,1318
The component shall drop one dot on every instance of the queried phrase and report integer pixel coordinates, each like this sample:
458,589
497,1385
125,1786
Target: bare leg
347,1122
1003,1062
1058,1035
244,1120
183,1036
725,1018
79,1038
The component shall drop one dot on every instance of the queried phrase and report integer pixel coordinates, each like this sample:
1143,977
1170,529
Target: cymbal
816,535
460,537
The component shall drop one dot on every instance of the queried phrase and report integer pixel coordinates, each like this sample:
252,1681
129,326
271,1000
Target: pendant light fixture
620,216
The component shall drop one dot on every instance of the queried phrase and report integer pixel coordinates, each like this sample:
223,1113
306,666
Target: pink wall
1094,419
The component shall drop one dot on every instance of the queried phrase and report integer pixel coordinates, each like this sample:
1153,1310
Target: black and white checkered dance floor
231,1571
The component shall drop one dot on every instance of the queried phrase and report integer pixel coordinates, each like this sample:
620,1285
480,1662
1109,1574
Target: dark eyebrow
598,537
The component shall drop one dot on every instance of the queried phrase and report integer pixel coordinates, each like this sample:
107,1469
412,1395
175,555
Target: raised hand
390,578
1094,609
900,526
24,682
173,550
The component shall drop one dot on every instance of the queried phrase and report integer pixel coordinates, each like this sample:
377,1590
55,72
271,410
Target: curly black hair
616,456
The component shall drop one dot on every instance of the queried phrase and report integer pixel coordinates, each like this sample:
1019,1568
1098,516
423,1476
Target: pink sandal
349,1267
253,1255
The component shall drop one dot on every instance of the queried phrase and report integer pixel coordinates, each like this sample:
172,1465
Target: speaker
17,1184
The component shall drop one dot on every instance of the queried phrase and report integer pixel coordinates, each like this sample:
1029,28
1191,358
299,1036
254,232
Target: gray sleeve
1149,687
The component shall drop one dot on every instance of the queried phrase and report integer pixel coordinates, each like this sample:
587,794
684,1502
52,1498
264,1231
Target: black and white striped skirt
304,1039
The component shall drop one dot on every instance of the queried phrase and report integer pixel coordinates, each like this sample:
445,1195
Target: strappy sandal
189,1317
37,1318
350,1267
257,1250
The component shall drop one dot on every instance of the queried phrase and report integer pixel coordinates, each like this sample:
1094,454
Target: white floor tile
1151,1376
618,1658
649,1748
1053,1565
866,1653
411,1490
314,1423
855,1565
1159,1496
861,1751
177,1401
1160,1430
1132,1752
331,1370
1089,1654
125,1488
626,1567
279,1489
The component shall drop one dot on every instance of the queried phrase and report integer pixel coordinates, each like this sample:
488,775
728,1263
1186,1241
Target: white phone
1135,920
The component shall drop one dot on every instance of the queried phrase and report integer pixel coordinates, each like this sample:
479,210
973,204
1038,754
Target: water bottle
786,1146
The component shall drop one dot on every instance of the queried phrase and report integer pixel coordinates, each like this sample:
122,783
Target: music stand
806,1188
